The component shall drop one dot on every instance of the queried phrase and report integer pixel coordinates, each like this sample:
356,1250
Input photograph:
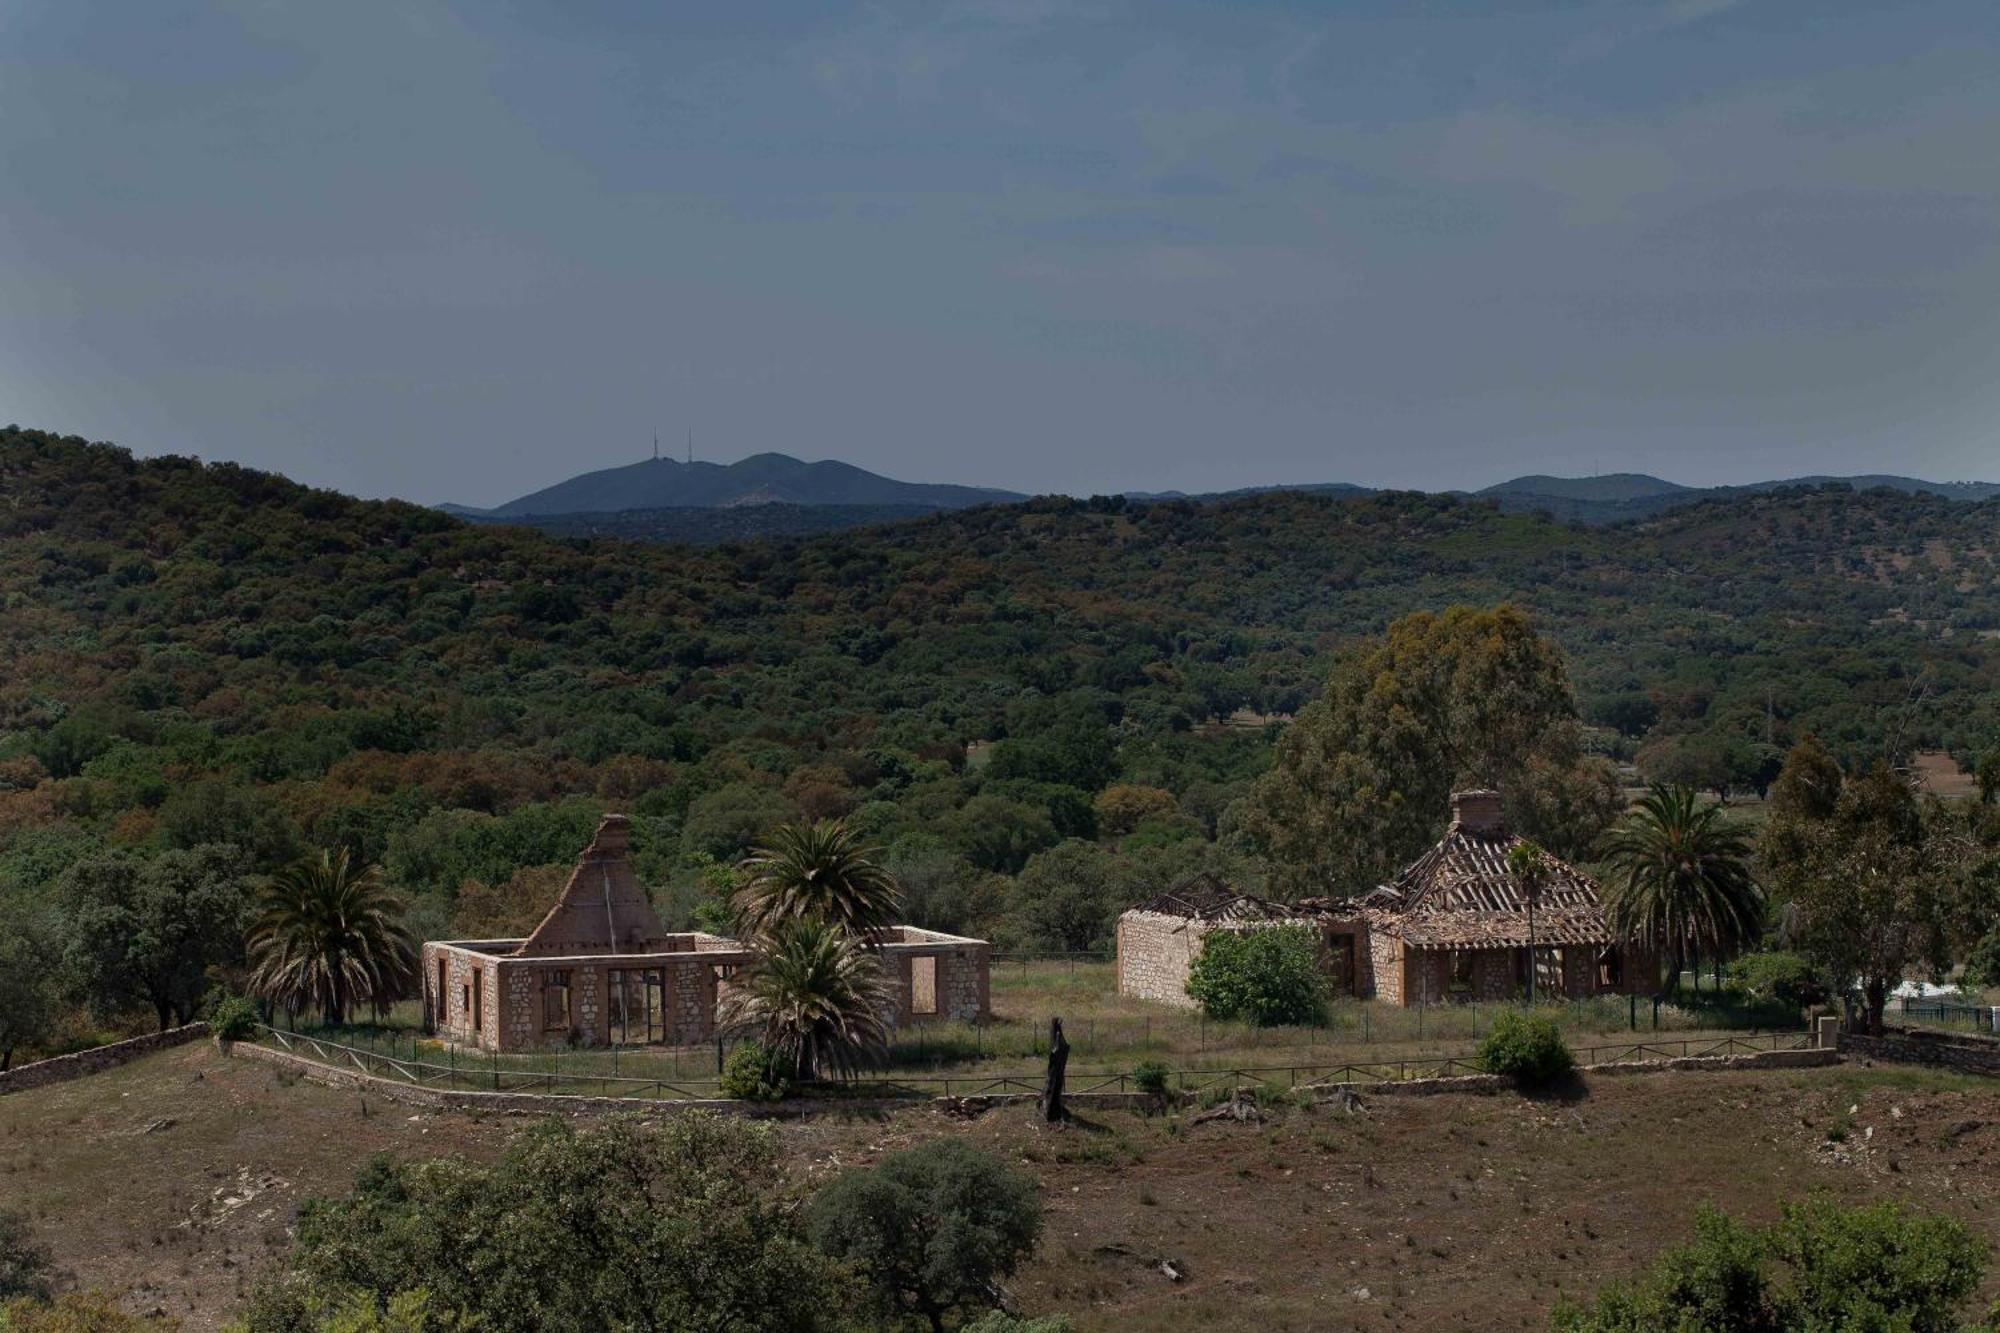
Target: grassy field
1108,1034
172,1182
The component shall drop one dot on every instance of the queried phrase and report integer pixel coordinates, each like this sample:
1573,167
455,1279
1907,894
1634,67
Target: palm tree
819,872
1681,878
1529,865
814,996
328,936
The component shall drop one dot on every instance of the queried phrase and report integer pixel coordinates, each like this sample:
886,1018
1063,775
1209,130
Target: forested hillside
201,653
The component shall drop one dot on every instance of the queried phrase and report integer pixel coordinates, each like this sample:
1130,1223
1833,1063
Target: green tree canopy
1362,778
328,936
145,932
934,1228
820,871
687,1225
1681,879
814,995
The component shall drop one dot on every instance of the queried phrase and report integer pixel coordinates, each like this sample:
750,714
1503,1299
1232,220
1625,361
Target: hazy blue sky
462,251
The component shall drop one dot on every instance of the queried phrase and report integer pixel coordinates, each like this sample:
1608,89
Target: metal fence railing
490,1073
1949,1013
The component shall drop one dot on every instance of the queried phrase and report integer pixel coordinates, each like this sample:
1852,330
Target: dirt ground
173,1181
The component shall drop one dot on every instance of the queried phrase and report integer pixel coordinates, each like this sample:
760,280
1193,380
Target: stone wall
1386,956
960,983
61,1068
1155,952
1970,1055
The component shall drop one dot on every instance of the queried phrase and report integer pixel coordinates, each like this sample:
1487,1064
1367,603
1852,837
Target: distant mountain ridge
769,478
661,499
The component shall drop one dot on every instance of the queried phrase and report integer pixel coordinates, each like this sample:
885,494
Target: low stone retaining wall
1919,1046
62,1068
1811,1059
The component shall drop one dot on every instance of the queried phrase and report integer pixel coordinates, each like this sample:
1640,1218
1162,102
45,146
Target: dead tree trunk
1052,1091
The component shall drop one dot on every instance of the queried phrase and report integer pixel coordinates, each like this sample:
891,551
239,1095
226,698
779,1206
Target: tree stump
1052,1090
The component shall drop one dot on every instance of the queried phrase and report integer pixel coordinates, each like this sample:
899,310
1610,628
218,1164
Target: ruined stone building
601,970
1455,924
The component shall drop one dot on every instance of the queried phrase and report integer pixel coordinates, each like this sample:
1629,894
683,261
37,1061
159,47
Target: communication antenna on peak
690,444
656,446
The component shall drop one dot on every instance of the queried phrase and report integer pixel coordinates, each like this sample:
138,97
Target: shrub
1877,1266
994,1321
76,1312
756,1073
1151,1078
1528,1047
690,1224
1785,977
1982,968
234,1018
933,1228
1266,976
25,1267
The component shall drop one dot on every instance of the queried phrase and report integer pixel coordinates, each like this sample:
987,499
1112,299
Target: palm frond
328,937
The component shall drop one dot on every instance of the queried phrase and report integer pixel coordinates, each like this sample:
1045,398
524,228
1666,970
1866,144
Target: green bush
1983,967
25,1267
1785,977
691,1223
1150,1077
1267,976
1528,1047
1877,1266
933,1228
234,1018
756,1073
994,1321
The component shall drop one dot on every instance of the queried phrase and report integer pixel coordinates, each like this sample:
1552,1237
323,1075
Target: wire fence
1947,1013
450,1071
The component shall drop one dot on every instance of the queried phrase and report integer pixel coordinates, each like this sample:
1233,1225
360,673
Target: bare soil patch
174,1179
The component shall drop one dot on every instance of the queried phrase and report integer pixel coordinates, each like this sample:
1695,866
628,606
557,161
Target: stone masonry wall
1386,955
1154,954
1969,1055
61,1068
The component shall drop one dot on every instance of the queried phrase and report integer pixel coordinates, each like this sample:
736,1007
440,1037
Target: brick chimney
1476,811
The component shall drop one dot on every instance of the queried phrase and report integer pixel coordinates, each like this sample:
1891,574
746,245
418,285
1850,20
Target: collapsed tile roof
1458,895
1461,894
1205,897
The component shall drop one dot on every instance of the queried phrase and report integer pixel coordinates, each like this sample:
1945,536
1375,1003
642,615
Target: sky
462,251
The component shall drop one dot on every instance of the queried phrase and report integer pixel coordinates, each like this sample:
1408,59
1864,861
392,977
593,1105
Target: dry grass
1108,1033
172,1181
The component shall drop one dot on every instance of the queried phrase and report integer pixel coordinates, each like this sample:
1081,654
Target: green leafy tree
819,872
328,936
727,822
30,982
1000,834
689,1224
1362,778
222,812
1875,887
140,931
1268,975
1820,1267
1067,898
815,997
1681,879
934,1228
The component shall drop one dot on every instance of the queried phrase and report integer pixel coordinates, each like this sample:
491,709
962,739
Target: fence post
1634,998
493,1058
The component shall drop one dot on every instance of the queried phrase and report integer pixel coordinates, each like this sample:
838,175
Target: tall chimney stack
1476,811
